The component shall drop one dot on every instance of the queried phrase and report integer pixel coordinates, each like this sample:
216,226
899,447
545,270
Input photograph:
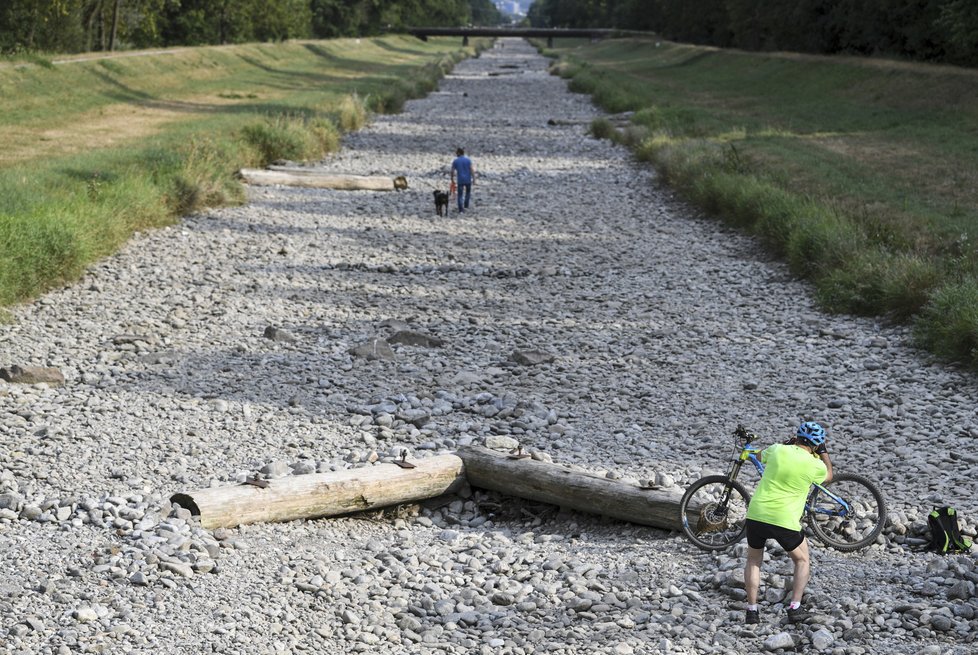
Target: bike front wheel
713,512
848,513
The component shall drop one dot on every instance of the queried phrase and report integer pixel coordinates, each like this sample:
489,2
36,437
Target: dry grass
107,127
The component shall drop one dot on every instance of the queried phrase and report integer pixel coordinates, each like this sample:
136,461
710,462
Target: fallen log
323,494
320,180
554,484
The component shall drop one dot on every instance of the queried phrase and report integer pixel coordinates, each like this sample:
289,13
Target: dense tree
935,30
77,25
959,18
484,12
348,17
41,25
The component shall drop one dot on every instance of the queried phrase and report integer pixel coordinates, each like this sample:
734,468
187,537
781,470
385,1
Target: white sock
794,605
752,608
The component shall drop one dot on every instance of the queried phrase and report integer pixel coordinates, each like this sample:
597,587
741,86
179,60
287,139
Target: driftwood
568,121
324,494
618,120
321,180
557,485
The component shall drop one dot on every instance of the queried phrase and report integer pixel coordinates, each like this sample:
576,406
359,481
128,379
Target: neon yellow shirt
789,471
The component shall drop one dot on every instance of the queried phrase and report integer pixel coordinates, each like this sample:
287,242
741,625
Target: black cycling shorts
758,533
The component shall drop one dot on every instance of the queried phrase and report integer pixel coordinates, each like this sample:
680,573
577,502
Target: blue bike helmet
811,432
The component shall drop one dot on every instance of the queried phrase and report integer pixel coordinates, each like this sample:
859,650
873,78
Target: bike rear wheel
713,512
850,526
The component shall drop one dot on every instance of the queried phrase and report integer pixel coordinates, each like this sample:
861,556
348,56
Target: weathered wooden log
557,485
320,180
323,494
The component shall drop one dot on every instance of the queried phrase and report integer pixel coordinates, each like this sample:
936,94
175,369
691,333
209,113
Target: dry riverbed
222,347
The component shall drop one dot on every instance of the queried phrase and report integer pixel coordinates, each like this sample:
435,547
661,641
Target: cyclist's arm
828,466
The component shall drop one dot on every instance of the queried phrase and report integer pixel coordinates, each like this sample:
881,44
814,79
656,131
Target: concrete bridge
525,32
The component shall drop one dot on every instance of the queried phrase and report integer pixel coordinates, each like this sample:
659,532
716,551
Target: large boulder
32,375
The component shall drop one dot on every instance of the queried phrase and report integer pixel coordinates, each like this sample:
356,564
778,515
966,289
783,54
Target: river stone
961,590
531,357
374,349
411,338
278,334
17,374
822,639
780,640
500,442
12,501
85,615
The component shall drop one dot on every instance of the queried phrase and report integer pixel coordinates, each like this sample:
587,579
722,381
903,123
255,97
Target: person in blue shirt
464,172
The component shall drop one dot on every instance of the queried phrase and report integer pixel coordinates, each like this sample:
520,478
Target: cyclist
776,508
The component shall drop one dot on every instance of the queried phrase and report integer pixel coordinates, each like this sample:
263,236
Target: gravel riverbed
227,345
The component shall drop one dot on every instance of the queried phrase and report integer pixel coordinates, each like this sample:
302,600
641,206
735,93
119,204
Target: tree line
86,25
927,30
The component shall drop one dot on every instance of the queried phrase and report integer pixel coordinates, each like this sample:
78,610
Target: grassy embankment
862,174
92,151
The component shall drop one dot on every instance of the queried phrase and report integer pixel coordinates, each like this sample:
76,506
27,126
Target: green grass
94,151
862,174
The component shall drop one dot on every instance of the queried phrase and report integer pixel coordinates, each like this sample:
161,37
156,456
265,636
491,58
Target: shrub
279,137
909,282
326,134
633,135
351,114
203,176
948,325
601,128
876,282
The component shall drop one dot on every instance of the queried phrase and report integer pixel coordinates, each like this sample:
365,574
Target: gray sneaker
798,615
752,617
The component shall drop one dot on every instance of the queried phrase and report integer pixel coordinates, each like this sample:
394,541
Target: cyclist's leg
755,557
752,573
802,569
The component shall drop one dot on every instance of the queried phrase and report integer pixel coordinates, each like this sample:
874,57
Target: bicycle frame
748,453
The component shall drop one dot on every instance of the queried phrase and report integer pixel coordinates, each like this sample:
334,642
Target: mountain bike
847,514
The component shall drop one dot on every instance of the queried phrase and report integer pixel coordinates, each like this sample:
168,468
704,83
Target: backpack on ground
945,537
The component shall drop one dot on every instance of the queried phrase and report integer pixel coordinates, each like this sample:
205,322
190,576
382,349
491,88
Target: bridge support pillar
465,40
550,41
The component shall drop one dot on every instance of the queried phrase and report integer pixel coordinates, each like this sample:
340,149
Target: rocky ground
223,346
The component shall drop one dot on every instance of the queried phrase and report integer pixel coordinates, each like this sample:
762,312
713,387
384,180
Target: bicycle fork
728,488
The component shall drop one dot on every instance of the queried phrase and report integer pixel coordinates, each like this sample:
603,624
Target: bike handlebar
744,435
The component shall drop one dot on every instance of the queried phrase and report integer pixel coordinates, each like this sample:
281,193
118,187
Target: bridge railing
525,32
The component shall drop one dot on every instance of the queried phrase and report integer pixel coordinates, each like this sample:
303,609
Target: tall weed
948,325
351,115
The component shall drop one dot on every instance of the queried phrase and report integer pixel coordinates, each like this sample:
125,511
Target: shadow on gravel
441,141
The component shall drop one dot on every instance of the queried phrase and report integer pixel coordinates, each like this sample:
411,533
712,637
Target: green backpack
945,537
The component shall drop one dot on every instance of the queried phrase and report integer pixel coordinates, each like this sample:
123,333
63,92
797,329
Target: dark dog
441,203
